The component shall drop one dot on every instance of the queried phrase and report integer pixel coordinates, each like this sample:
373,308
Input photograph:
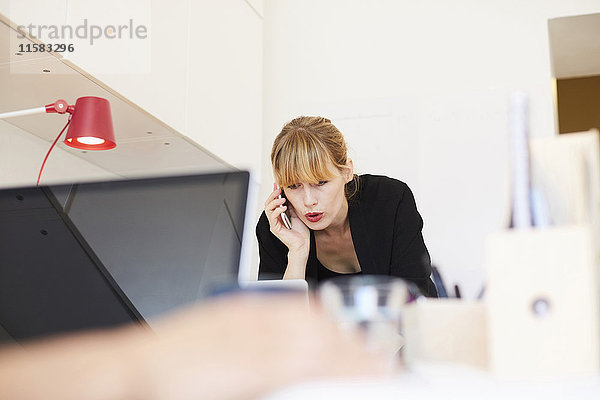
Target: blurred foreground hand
238,347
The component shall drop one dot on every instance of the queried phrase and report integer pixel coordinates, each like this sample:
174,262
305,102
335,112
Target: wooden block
543,302
447,330
566,170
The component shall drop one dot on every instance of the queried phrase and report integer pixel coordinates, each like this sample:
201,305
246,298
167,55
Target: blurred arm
237,347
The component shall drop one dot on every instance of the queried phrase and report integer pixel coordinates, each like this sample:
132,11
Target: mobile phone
284,217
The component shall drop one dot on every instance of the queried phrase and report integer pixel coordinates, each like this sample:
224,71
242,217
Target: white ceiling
145,145
575,45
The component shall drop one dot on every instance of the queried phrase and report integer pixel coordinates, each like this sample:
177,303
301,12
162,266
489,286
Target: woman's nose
309,198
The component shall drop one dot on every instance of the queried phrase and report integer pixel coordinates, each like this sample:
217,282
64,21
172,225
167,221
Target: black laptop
101,254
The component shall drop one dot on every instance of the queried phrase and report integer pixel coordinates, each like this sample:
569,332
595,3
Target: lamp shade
91,125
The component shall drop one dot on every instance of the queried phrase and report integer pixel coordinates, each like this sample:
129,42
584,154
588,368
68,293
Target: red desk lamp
90,119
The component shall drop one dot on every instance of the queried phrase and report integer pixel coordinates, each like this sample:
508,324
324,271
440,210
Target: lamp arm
37,110
59,106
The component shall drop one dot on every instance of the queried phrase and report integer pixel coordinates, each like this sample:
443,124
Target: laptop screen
105,253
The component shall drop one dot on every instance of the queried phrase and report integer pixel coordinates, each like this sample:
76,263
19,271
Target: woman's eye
321,183
293,186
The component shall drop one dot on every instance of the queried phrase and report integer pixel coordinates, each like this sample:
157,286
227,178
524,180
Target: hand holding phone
284,222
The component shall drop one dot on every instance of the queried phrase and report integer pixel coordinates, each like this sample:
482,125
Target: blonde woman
341,223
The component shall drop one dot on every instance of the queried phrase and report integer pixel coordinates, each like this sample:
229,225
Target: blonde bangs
301,158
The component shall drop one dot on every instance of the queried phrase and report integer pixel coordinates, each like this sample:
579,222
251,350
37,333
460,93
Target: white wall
421,88
204,76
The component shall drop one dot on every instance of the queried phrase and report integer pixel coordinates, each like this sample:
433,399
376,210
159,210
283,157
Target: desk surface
445,381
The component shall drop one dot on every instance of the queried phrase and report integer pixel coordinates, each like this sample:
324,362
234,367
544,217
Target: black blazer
386,231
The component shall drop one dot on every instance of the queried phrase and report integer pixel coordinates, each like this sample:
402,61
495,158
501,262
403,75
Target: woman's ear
349,170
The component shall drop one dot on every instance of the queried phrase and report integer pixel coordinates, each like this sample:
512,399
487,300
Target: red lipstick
313,217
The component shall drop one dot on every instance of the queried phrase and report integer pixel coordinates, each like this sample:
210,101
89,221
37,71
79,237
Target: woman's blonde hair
303,150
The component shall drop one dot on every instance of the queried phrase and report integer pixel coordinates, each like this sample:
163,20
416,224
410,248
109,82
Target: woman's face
319,205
